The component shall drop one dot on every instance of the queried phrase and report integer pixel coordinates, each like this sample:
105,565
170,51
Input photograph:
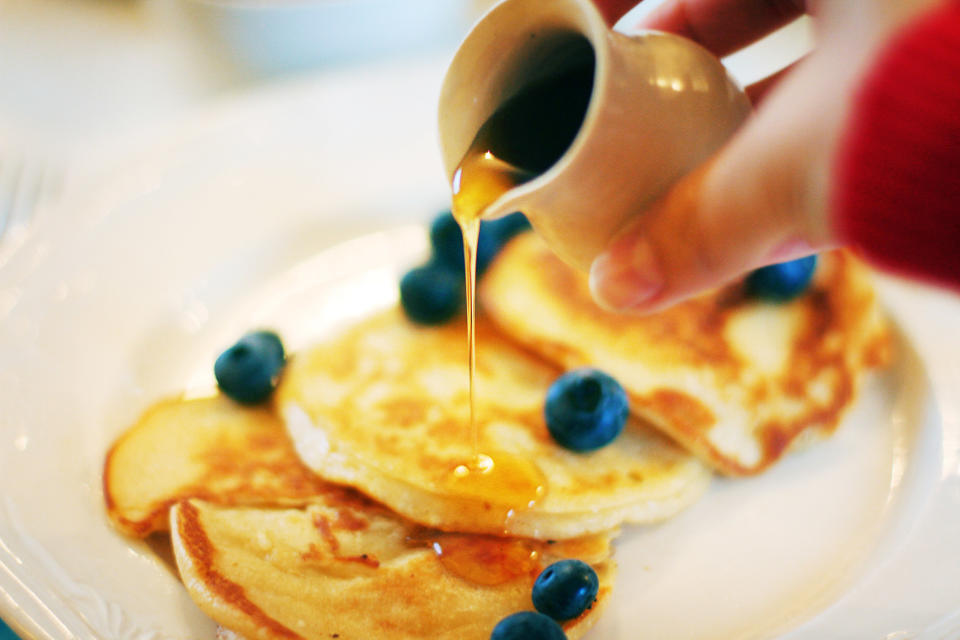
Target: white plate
132,290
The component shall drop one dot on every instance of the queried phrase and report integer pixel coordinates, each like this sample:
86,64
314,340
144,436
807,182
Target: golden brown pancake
207,448
337,561
354,571
735,380
384,408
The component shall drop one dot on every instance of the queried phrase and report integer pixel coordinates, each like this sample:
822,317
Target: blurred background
85,82
80,77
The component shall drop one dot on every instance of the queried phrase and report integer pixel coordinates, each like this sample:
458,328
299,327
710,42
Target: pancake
736,381
338,560
383,407
352,570
209,448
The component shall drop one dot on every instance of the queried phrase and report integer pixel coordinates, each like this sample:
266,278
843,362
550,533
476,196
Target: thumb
760,200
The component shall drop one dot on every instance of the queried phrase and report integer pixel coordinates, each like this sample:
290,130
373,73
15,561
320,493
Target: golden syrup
487,479
479,180
484,560
497,482
470,229
523,138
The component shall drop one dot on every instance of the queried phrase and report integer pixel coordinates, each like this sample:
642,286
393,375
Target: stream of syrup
501,478
521,140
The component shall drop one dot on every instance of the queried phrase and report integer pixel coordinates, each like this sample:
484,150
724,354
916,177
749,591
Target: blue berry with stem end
585,409
249,369
565,589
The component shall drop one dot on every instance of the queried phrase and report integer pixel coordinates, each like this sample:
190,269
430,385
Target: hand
764,197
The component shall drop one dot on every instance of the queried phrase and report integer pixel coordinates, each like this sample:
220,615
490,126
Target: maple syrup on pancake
483,560
521,140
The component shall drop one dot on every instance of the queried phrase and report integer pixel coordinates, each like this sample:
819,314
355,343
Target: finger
613,10
760,200
680,247
759,90
723,26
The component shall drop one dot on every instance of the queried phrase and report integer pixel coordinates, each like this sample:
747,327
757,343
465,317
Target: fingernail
625,276
789,250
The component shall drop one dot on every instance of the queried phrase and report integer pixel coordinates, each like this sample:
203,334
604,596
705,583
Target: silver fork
26,183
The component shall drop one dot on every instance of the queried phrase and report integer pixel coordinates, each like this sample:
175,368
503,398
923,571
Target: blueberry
432,293
446,240
248,370
527,625
783,281
585,409
488,246
565,589
270,342
508,226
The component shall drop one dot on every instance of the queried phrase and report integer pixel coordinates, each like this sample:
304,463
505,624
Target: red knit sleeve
896,196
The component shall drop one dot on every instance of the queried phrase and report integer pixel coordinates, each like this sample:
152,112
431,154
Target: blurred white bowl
284,35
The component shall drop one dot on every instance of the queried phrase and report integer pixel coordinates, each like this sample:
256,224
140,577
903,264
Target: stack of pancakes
334,512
